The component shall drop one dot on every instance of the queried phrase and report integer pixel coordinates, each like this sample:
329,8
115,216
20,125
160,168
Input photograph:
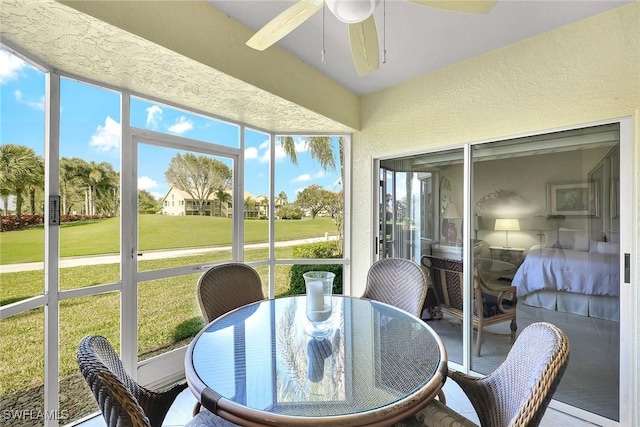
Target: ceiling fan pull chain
323,50
384,31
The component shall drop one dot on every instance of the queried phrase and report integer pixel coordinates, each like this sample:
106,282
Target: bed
573,274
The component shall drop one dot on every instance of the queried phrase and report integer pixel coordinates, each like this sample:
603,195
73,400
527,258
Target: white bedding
566,270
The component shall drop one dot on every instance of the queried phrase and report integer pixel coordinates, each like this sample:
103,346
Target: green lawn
155,232
161,325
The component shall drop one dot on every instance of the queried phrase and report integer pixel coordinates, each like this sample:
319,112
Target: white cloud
156,195
154,116
251,153
106,138
302,178
36,105
181,126
320,174
145,183
10,67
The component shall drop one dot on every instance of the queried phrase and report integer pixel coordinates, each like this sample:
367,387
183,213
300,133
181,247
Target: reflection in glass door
545,224
549,218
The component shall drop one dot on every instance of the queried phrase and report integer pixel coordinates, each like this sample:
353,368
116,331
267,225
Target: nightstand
513,256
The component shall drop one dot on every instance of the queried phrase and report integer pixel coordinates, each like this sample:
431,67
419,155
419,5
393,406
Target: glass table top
258,360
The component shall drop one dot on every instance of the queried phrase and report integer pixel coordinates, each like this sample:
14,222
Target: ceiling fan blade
363,38
283,24
468,6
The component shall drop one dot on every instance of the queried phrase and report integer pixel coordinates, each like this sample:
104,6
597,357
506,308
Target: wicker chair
491,304
226,287
122,401
518,392
399,282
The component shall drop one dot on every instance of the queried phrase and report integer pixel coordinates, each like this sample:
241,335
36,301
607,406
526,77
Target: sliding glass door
543,225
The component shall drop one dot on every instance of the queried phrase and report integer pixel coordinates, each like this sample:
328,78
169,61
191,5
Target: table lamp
507,225
450,213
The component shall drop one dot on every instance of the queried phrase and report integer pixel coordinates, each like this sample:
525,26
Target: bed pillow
608,248
581,241
566,239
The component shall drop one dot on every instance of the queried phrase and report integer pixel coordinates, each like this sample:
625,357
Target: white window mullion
346,214
128,242
467,261
51,248
237,243
272,229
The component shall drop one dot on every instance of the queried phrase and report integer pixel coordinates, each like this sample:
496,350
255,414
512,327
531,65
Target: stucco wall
580,74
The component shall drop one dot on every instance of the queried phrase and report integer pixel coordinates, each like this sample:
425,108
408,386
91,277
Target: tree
312,199
147,204
198,176
224,198
35,186
282,199
72,187
334,206
19,169
319,148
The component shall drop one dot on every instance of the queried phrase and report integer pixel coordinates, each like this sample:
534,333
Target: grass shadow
188,329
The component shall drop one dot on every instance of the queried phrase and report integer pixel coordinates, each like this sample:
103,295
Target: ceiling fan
363,36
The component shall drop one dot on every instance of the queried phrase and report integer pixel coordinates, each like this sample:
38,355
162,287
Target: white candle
315,296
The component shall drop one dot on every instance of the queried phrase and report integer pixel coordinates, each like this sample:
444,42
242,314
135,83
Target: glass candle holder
319,288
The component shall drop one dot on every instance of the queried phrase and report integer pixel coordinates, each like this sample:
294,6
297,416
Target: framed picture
578,199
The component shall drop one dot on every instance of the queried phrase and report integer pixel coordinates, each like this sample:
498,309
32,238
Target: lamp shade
451,211
507,224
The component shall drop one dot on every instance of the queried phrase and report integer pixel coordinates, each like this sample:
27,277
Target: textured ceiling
419,39
62,38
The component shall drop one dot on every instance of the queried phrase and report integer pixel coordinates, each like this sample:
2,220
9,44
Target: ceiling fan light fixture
352,11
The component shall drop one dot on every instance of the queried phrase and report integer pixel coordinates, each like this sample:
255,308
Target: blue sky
90,129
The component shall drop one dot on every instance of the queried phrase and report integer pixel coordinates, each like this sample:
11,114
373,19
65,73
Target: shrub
13,223
323,250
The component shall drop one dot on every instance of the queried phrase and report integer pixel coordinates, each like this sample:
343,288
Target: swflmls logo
33,414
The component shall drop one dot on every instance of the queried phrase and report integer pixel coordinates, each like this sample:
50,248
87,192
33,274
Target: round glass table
256,365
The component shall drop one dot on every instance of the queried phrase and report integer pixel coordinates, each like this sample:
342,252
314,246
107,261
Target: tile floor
181,411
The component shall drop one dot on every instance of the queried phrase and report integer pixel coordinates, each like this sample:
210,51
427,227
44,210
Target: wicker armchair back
226,287
518,392
122,401
399,282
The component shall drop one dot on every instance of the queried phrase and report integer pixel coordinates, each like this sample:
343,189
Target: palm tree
282,199
224,198
36,183
18,170
319,148
72,173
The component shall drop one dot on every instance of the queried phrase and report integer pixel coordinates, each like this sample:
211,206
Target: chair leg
514,328
441,397
196,408
479,341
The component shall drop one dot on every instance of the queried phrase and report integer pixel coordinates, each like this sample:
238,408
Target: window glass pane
22,370
421,216
91,315
22,185
547,212
185,205
309,173
161,118
161,326
256,184
90,139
